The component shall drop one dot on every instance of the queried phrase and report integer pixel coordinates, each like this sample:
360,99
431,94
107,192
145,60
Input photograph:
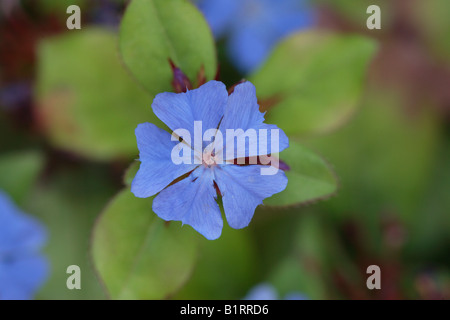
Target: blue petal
295,296
192,201
243,188
18,231
263,291
260,25
291,16
180,110
157,169
242,112
249,47
219,14
21,278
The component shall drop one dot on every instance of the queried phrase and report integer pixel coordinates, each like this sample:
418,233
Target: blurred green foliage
68,203
305,67
383,157
432,18
90,110
19,171
226,267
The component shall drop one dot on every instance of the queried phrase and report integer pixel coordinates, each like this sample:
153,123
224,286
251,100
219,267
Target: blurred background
65,142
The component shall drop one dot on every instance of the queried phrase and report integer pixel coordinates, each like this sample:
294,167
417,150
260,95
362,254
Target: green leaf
87,103
130,173
18,172
153,31
137,254
309,178
315,78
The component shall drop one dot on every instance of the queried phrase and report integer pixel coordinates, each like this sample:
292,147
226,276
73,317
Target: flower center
209,159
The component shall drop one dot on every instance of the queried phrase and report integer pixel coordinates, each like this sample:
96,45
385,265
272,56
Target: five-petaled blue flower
192,199
265,291
254,27
22,268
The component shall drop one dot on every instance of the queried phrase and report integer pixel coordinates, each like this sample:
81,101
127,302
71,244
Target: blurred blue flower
254,27
15,95
266,291
193,199
262,291
22,268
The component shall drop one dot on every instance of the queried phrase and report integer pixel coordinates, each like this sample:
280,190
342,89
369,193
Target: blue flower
254,27
22,269
188,190
266,291
262,291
